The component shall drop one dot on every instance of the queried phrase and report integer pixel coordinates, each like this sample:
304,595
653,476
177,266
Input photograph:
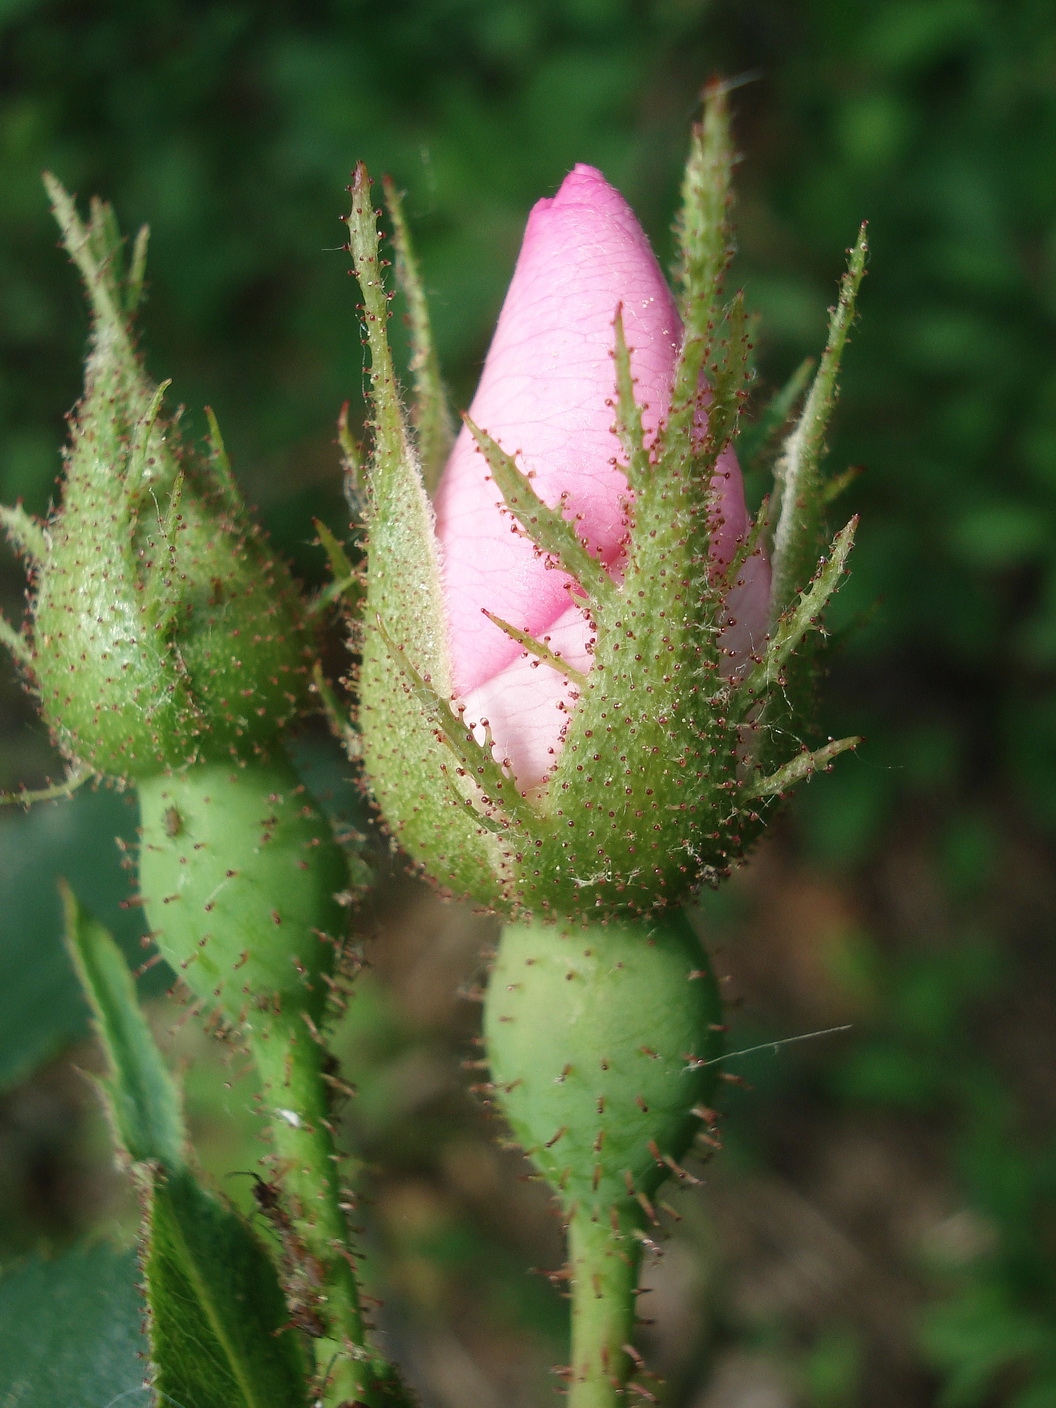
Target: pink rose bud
577,669
546,396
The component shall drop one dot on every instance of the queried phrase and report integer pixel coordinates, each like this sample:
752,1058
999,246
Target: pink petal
528,702
546,395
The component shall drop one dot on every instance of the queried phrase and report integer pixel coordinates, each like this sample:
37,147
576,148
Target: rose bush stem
604,1267
295,1100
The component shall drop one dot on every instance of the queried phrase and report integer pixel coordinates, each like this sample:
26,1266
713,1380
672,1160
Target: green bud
241,880
163,628
602,1042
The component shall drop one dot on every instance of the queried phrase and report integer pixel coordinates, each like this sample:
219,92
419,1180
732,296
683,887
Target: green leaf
141,1096
70,1332
41,1006
219,1326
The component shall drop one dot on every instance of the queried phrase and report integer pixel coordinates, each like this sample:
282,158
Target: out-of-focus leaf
41,1007
978,1336
70,1332
219,1330
141,1096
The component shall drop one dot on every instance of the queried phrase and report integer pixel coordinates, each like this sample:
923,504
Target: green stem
604,1264
295,1095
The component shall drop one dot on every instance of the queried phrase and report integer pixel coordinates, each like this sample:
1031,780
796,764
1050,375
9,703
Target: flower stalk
320,1270
170,649
574,700
604,1264
578,653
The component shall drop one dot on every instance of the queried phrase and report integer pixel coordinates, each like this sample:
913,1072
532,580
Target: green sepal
27,797
402,753
114,289
336,712
703,228
141,1097
16,644
539,649
348,584
802,615
797,507
352,465
220,1330
629,414
730,377
705,246
804,764
602,1041
637,812
755,436
494,792
430,414
25,533
391,439
549,530
748,545
223,475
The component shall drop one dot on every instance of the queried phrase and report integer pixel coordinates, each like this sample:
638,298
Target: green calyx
677,748
162,628
602,1042
242,883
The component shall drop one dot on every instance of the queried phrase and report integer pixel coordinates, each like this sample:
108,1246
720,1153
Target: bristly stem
604,1265
290,1061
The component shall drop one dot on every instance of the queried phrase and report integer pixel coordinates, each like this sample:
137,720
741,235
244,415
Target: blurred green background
880,1229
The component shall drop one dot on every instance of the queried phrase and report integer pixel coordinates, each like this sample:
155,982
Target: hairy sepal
408,727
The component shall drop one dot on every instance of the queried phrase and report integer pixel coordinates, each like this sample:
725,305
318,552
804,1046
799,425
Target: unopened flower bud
574,665
167,646
163,629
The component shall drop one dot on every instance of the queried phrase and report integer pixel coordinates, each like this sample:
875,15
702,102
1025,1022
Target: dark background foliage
881,1227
